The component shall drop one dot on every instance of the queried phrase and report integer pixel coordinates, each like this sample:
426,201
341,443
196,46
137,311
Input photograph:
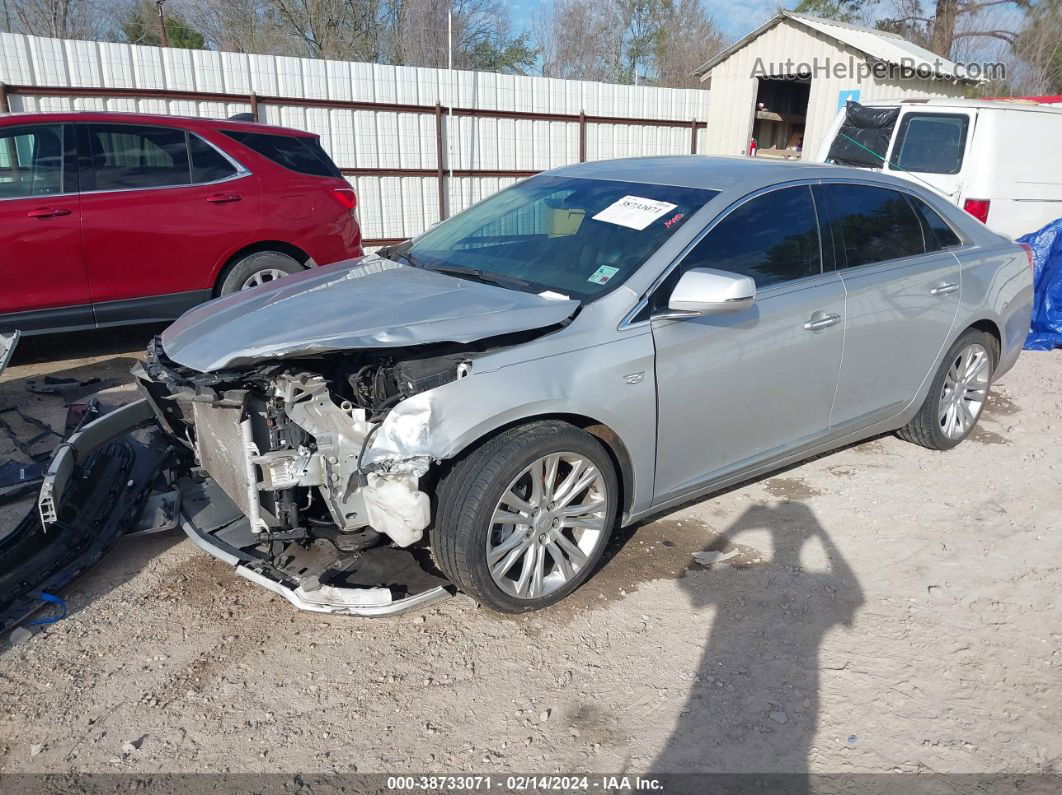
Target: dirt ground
884,608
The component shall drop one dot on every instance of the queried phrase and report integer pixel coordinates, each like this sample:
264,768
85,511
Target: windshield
576,237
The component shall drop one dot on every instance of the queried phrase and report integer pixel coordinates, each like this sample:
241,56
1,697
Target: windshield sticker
603,274
634,212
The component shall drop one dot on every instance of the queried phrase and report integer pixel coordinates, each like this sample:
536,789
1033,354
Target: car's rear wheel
522,521
260,267
957,395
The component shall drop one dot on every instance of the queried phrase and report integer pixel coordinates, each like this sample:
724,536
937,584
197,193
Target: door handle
48,212
821,320
944,289
223,198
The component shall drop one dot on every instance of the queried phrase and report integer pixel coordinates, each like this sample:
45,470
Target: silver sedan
581,350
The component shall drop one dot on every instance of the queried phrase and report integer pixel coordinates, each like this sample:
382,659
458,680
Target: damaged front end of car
299,446
273,480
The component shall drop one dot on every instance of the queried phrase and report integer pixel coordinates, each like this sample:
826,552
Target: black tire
260,262
925,427
470,490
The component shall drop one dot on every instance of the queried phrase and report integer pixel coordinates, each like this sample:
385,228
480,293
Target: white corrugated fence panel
397,206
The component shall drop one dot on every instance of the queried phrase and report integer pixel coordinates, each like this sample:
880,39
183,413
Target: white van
999,160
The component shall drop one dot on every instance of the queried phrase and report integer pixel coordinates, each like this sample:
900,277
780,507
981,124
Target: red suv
114,218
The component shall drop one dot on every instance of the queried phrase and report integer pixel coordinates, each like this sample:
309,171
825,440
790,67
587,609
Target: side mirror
706,291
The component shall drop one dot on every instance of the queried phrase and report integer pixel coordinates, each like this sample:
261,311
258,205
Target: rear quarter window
938,233
298,153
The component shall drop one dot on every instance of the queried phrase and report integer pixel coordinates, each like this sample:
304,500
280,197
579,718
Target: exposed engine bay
286,441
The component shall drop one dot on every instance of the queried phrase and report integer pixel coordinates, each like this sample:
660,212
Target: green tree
840,10
141,26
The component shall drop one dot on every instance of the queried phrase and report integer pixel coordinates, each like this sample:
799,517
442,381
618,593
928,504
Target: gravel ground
883,608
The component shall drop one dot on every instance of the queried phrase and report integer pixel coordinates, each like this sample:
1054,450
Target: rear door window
294,152
871,224
208,164
127,156
931,143
31,161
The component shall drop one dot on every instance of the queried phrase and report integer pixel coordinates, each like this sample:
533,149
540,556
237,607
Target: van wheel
258,268
957,394
522,521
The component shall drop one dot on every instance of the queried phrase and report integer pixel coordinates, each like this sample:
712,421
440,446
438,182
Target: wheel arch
613,444
292,251
992,329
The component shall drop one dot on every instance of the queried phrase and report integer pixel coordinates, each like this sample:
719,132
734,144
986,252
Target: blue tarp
1046,327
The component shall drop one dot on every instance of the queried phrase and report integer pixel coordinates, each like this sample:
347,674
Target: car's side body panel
739,387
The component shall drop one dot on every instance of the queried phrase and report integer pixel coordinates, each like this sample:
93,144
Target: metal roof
878,45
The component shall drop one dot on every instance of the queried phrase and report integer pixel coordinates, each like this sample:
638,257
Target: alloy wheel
547,525
263,277
965,390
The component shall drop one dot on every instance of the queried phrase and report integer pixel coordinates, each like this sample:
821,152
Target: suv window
932,143
938,233
772,238
295,152
31,161
208,164
872,224
128,156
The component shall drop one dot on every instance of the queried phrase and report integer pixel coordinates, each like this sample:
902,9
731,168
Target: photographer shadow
753,707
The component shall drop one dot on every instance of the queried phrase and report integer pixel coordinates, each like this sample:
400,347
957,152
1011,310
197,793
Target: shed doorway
780,115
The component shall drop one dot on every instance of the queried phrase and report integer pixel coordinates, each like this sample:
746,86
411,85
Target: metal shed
790,76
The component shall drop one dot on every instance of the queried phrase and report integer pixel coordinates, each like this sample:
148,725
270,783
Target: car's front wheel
957,394
260,267
522,520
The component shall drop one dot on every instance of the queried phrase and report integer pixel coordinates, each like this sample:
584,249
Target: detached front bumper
218,526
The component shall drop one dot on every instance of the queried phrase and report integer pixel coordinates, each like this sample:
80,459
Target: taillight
1029,254
978,208
345,197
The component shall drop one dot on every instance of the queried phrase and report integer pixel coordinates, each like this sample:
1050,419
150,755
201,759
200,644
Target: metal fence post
582,136
254,106
440,166
693,137
4,106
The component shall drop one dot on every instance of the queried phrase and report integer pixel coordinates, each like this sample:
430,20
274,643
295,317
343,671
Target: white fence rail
389,128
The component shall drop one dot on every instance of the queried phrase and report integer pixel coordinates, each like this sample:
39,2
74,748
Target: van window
932,143
938,234
875,224
772,238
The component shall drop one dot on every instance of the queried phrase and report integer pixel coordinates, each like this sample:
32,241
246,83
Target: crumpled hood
369,302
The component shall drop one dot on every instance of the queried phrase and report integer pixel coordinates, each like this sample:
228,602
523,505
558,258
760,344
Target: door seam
840,364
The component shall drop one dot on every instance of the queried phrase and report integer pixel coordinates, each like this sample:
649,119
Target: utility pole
162,24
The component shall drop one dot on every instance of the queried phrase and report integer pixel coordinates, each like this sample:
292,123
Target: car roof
1003,103
714,173
186,122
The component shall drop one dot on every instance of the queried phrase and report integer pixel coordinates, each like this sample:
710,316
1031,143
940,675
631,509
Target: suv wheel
258,268
957,394
522,521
